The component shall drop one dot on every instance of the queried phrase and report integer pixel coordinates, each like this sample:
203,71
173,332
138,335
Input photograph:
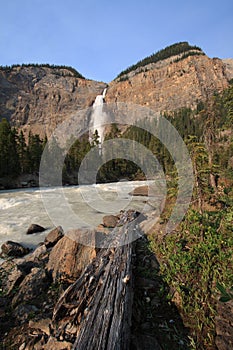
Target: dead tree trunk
94,313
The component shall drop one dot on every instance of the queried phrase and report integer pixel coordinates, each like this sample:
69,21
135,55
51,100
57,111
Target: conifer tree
9,160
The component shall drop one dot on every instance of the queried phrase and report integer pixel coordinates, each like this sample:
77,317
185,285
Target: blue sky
100,38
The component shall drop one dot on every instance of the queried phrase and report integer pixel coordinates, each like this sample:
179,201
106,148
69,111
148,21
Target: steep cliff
228,62
39,98
170,84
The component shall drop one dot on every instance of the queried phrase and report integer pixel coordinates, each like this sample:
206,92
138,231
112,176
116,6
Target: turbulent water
20,208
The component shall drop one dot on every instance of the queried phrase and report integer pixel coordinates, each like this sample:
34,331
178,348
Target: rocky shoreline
33,287
36,314
32,283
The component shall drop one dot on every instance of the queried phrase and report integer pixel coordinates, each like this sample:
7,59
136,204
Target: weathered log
95,311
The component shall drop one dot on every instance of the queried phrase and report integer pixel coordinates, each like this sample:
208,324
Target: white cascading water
20,208
98,117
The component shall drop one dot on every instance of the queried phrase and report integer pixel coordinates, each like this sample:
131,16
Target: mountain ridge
37,98
179,50
168,85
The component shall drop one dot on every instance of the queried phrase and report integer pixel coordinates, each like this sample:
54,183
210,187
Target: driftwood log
95,311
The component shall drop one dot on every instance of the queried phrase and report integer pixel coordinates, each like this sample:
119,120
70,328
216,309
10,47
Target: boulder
15,277
54,236
140,191
34,228
14,249
110,221
68,258
38,254
33,285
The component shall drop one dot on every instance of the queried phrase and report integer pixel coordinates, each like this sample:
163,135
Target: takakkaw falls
98,117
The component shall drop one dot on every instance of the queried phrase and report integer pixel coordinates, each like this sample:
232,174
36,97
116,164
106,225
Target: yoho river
70,207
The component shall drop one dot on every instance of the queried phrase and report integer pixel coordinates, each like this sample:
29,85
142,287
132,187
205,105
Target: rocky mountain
170,84
228,62
38,98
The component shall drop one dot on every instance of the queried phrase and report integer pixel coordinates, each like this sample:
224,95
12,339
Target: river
87,204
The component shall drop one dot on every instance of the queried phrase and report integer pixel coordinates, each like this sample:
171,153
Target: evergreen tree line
112,170
16,156
56,68
172,50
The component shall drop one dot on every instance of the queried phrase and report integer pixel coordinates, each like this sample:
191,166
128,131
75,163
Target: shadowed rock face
39,98
228,62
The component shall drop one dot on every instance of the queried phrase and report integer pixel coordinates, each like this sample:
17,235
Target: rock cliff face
168,85
39,98
228,62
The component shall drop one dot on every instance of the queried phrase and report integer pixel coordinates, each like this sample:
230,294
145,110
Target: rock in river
140,191
14,249
110,221
34,228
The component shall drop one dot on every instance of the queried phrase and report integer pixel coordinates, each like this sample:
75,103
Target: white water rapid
98,118
20,208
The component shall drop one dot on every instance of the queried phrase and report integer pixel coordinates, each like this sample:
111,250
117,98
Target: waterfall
98,118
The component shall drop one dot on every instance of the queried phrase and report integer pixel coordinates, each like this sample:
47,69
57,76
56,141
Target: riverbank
33,287
180,271
32,181
22,181
37,289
